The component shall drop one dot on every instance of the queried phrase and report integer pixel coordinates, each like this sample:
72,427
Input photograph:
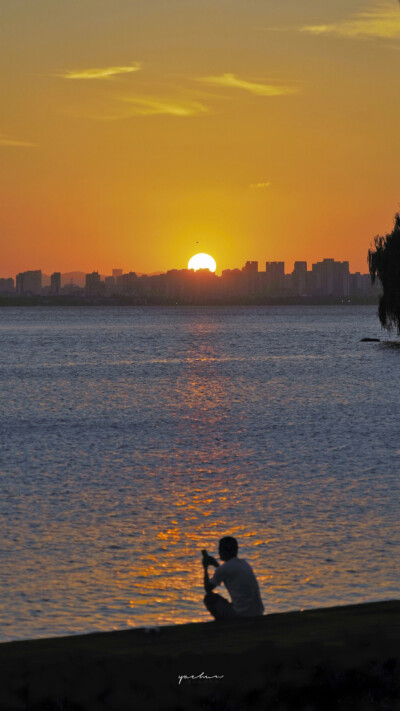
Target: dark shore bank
334,658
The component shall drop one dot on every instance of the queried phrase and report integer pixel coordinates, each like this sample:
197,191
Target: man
239,580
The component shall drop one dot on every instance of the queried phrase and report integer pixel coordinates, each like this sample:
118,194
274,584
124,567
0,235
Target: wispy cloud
154,105
232,81
126,107
380,21
14,142
260,185
101,72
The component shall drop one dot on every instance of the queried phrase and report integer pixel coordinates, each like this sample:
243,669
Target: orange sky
130,131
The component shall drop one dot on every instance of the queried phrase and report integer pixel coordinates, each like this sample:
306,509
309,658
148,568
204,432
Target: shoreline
148,301
327,658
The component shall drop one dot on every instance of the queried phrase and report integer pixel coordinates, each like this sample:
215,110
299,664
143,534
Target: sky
135,133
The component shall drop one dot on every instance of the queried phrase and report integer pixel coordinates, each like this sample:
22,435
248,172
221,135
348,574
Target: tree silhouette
384,264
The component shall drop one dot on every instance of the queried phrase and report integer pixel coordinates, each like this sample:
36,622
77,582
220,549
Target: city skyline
154,271
326,279
143,133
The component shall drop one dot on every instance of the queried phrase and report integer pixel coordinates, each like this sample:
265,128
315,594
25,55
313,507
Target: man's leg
218,607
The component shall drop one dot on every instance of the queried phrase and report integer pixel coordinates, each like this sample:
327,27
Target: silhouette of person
239,579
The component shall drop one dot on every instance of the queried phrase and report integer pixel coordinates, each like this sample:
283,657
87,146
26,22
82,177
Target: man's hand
209,560
212,561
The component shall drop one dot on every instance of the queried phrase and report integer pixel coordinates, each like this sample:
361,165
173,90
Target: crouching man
239,579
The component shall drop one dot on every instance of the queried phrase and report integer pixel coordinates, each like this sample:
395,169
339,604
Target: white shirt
242,585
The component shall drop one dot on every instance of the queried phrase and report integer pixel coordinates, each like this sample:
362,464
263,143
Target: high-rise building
93,284
361,285
29,282
110,285
232,283
117,273
7,286
298,280
331,278
250,266
250,273
128,283
55,283
275,277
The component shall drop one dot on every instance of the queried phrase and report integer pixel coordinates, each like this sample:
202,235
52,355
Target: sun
202,261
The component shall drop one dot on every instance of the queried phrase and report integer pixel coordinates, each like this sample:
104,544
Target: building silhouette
275,277
29,283
252,281
55,284
94,285
7,286
331,278
298,282
328,279
232,284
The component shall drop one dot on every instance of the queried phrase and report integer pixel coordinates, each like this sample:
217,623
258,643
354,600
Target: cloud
260,185
155,106
101,72
381,21
234,82
126,107
13,142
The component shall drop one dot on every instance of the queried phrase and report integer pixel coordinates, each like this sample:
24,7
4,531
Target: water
131,438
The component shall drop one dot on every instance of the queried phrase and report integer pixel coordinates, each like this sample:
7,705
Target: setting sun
202,261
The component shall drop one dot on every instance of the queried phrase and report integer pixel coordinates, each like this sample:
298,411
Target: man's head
228,548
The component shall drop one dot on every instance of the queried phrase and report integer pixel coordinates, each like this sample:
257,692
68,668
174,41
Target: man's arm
208,585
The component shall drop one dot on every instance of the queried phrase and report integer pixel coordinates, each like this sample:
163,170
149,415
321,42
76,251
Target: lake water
131,438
